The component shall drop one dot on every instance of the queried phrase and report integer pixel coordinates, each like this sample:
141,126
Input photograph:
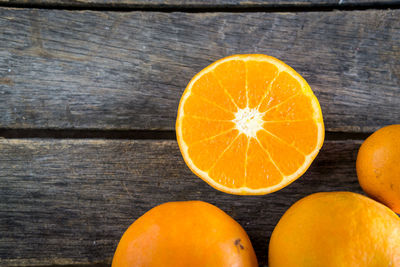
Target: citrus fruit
249,124
378,166
336,229
189,233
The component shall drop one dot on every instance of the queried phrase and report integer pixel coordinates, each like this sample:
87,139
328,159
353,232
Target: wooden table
88,98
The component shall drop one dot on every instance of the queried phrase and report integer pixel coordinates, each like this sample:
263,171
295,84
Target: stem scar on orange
187,233
249,125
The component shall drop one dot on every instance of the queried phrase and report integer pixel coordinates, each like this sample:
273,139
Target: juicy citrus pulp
249,124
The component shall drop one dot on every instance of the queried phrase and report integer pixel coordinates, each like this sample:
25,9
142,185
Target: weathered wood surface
69,201
127,70
195,3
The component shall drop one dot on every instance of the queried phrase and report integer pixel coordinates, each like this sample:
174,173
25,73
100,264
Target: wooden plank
127,70
194,3
69,201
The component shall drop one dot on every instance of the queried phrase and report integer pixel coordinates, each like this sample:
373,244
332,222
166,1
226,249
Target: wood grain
113,70
195,3
69,201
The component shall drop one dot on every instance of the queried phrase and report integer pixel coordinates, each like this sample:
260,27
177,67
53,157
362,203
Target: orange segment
298,108
204,154
249,124
196,129
208,87
201,107
260,170
286,158
260,80
230,167
301,134
283,87
232,77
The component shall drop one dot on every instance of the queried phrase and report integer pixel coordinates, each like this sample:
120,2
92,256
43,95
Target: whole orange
189,233
378,166
336,229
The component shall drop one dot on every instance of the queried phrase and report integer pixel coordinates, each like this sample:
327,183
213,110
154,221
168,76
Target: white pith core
248,121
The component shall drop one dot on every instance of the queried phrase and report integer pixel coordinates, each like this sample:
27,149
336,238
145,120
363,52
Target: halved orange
249,125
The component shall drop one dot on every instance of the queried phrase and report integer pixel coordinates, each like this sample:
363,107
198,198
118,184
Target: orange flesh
282,127
232,77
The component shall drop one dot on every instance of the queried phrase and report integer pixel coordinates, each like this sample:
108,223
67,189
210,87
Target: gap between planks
207,8
132,134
